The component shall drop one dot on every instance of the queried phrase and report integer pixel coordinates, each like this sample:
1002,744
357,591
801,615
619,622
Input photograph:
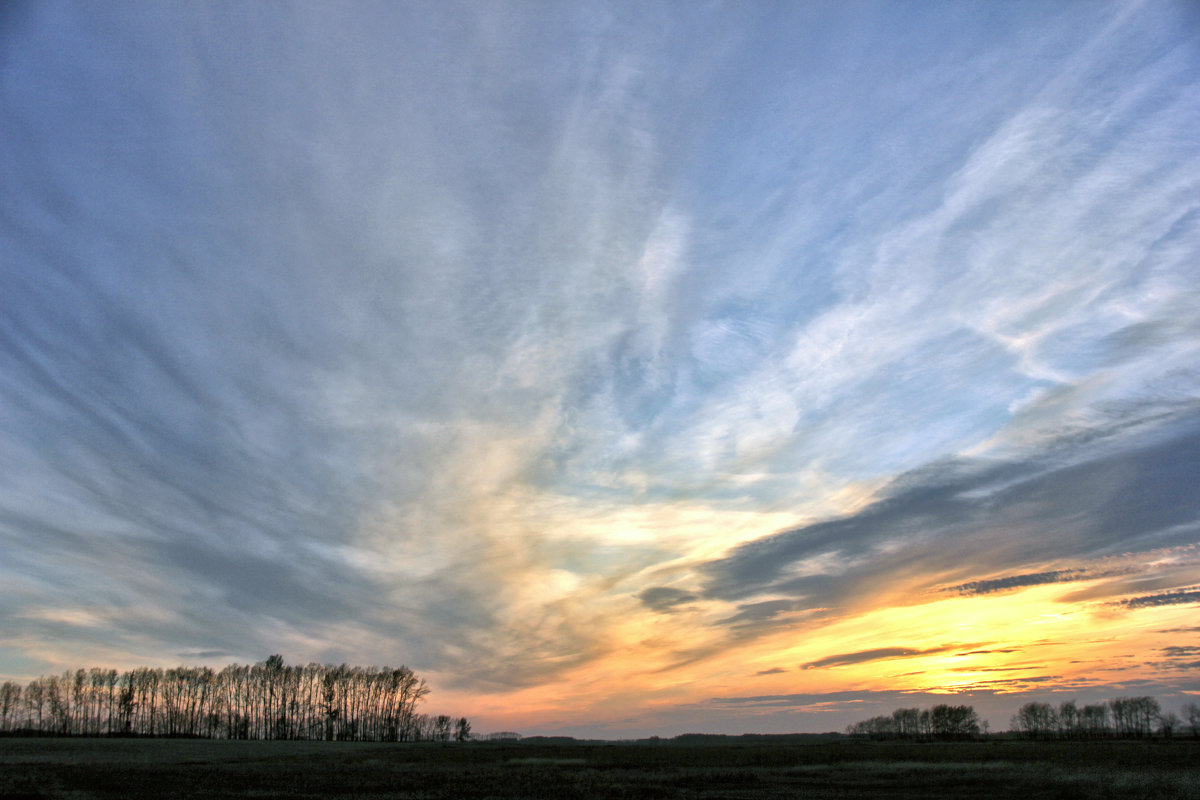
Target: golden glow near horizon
1032,639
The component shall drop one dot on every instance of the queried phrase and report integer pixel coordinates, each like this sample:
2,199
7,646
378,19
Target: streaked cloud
1105,497
1179,597
663,598
878,654
1029,579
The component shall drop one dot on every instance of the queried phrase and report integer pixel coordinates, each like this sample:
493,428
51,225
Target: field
161,768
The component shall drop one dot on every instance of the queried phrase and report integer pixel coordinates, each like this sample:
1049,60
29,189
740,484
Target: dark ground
161,768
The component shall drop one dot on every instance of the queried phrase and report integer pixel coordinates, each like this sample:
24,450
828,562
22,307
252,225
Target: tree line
940,722
267,700
1121,717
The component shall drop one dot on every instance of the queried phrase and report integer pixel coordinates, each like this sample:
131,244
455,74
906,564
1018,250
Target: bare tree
1068,720
942,721
10,704
1094,721
907,722
271,700
925,723
1134,716
441,728
1191,712
881,727
35,703
1035,720
954,722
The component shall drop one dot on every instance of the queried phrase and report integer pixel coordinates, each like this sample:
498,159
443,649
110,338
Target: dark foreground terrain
160,768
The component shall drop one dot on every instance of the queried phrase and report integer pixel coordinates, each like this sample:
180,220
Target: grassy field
159,768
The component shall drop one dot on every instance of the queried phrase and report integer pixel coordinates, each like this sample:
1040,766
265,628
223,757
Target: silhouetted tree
10,701
942,721
1068,720
1093,721
907,722
1191,713
1035,720
35,703
882,727
954,722
441,728
268,700
1134,716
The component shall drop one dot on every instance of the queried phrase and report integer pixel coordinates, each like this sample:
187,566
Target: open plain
164,768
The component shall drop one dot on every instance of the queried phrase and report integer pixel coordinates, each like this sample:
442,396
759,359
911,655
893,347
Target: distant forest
268,700
274,700
1121,718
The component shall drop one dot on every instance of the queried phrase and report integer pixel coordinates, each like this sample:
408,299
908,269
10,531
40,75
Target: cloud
1181,650
1179,597
664,598
204,655
768,613
799,699
1016,684
384,336
281,389
1022,581
877,654
1107,495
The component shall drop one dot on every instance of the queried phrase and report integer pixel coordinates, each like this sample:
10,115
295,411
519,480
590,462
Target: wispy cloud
1034,579
1179,597
877,654
663,598
1097,496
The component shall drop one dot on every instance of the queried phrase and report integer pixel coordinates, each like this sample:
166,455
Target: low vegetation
707,767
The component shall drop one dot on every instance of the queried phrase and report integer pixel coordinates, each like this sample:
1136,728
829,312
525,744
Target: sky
622,368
